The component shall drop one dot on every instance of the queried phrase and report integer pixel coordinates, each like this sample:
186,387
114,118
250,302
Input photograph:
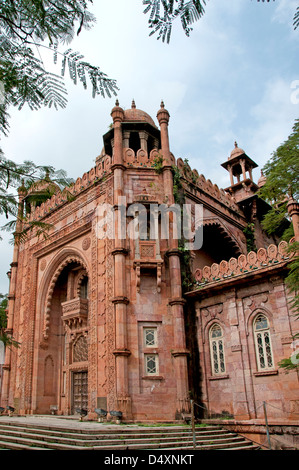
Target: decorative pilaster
11,297
176,302
121,352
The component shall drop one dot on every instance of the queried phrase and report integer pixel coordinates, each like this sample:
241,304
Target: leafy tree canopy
26,26
162,14
4,337
282,180
282,173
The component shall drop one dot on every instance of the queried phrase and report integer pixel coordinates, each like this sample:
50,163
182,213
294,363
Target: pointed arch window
217,350
263,347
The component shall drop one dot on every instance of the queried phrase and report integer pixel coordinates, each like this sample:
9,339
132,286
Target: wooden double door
79,390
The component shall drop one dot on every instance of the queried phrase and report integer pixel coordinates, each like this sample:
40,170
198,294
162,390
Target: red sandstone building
114,323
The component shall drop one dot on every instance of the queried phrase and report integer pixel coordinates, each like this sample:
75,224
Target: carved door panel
80,390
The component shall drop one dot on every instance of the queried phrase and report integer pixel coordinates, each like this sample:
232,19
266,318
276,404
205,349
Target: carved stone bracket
155,265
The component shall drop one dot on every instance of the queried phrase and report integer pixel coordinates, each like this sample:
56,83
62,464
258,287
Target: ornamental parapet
91,177
244,264
140,159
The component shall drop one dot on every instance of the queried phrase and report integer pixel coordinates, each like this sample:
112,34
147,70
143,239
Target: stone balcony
147,256
75,312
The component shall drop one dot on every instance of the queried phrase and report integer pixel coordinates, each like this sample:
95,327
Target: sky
236,78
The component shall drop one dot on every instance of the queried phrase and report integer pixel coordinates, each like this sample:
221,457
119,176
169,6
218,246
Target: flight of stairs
19,436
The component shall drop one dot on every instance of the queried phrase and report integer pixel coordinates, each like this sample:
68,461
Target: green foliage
3,307
296,19
282,173
27,175
292,280
250,237
162,14
25,25
187,11
4,337
25,28
178,193
158,164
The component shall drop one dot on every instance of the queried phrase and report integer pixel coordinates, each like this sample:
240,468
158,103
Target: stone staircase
20,436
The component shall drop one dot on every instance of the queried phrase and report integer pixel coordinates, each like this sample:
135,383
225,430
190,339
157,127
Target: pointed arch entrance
61,364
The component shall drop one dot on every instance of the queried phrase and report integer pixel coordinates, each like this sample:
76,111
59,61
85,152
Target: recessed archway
63,316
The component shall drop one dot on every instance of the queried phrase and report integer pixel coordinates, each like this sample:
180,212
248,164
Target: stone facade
107,322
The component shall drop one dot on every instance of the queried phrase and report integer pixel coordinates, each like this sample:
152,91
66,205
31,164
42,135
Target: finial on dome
117,103
162,104
133,104
236,144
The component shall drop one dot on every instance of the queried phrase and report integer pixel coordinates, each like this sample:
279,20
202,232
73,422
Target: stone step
123,440
102,430
22,436
11,442
92,439
4,445
225,443
29,443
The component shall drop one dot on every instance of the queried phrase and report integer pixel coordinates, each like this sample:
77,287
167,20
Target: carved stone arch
227,234
253,314
61,260
210,324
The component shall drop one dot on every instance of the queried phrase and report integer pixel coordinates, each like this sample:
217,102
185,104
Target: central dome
137,115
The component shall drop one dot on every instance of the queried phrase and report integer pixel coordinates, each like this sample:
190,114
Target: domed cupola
40,191
137,115
138,129
238,164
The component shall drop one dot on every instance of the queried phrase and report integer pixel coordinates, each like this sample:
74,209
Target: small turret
238,164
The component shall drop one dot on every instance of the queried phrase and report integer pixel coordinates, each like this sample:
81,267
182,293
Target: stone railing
244,264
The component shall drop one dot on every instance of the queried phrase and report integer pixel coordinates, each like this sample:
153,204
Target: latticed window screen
151,364
150,337
263,343
151,360
217,349
80,350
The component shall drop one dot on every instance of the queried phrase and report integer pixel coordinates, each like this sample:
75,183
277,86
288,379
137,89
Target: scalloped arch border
61,260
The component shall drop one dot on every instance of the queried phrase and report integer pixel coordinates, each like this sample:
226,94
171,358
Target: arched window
217,350
263,346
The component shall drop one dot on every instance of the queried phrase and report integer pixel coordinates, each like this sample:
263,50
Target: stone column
230,170
242,163
11,299
120,301
293,210
176,302
143,135
126,139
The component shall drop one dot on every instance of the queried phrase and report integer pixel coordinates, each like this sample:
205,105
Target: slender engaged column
176,302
